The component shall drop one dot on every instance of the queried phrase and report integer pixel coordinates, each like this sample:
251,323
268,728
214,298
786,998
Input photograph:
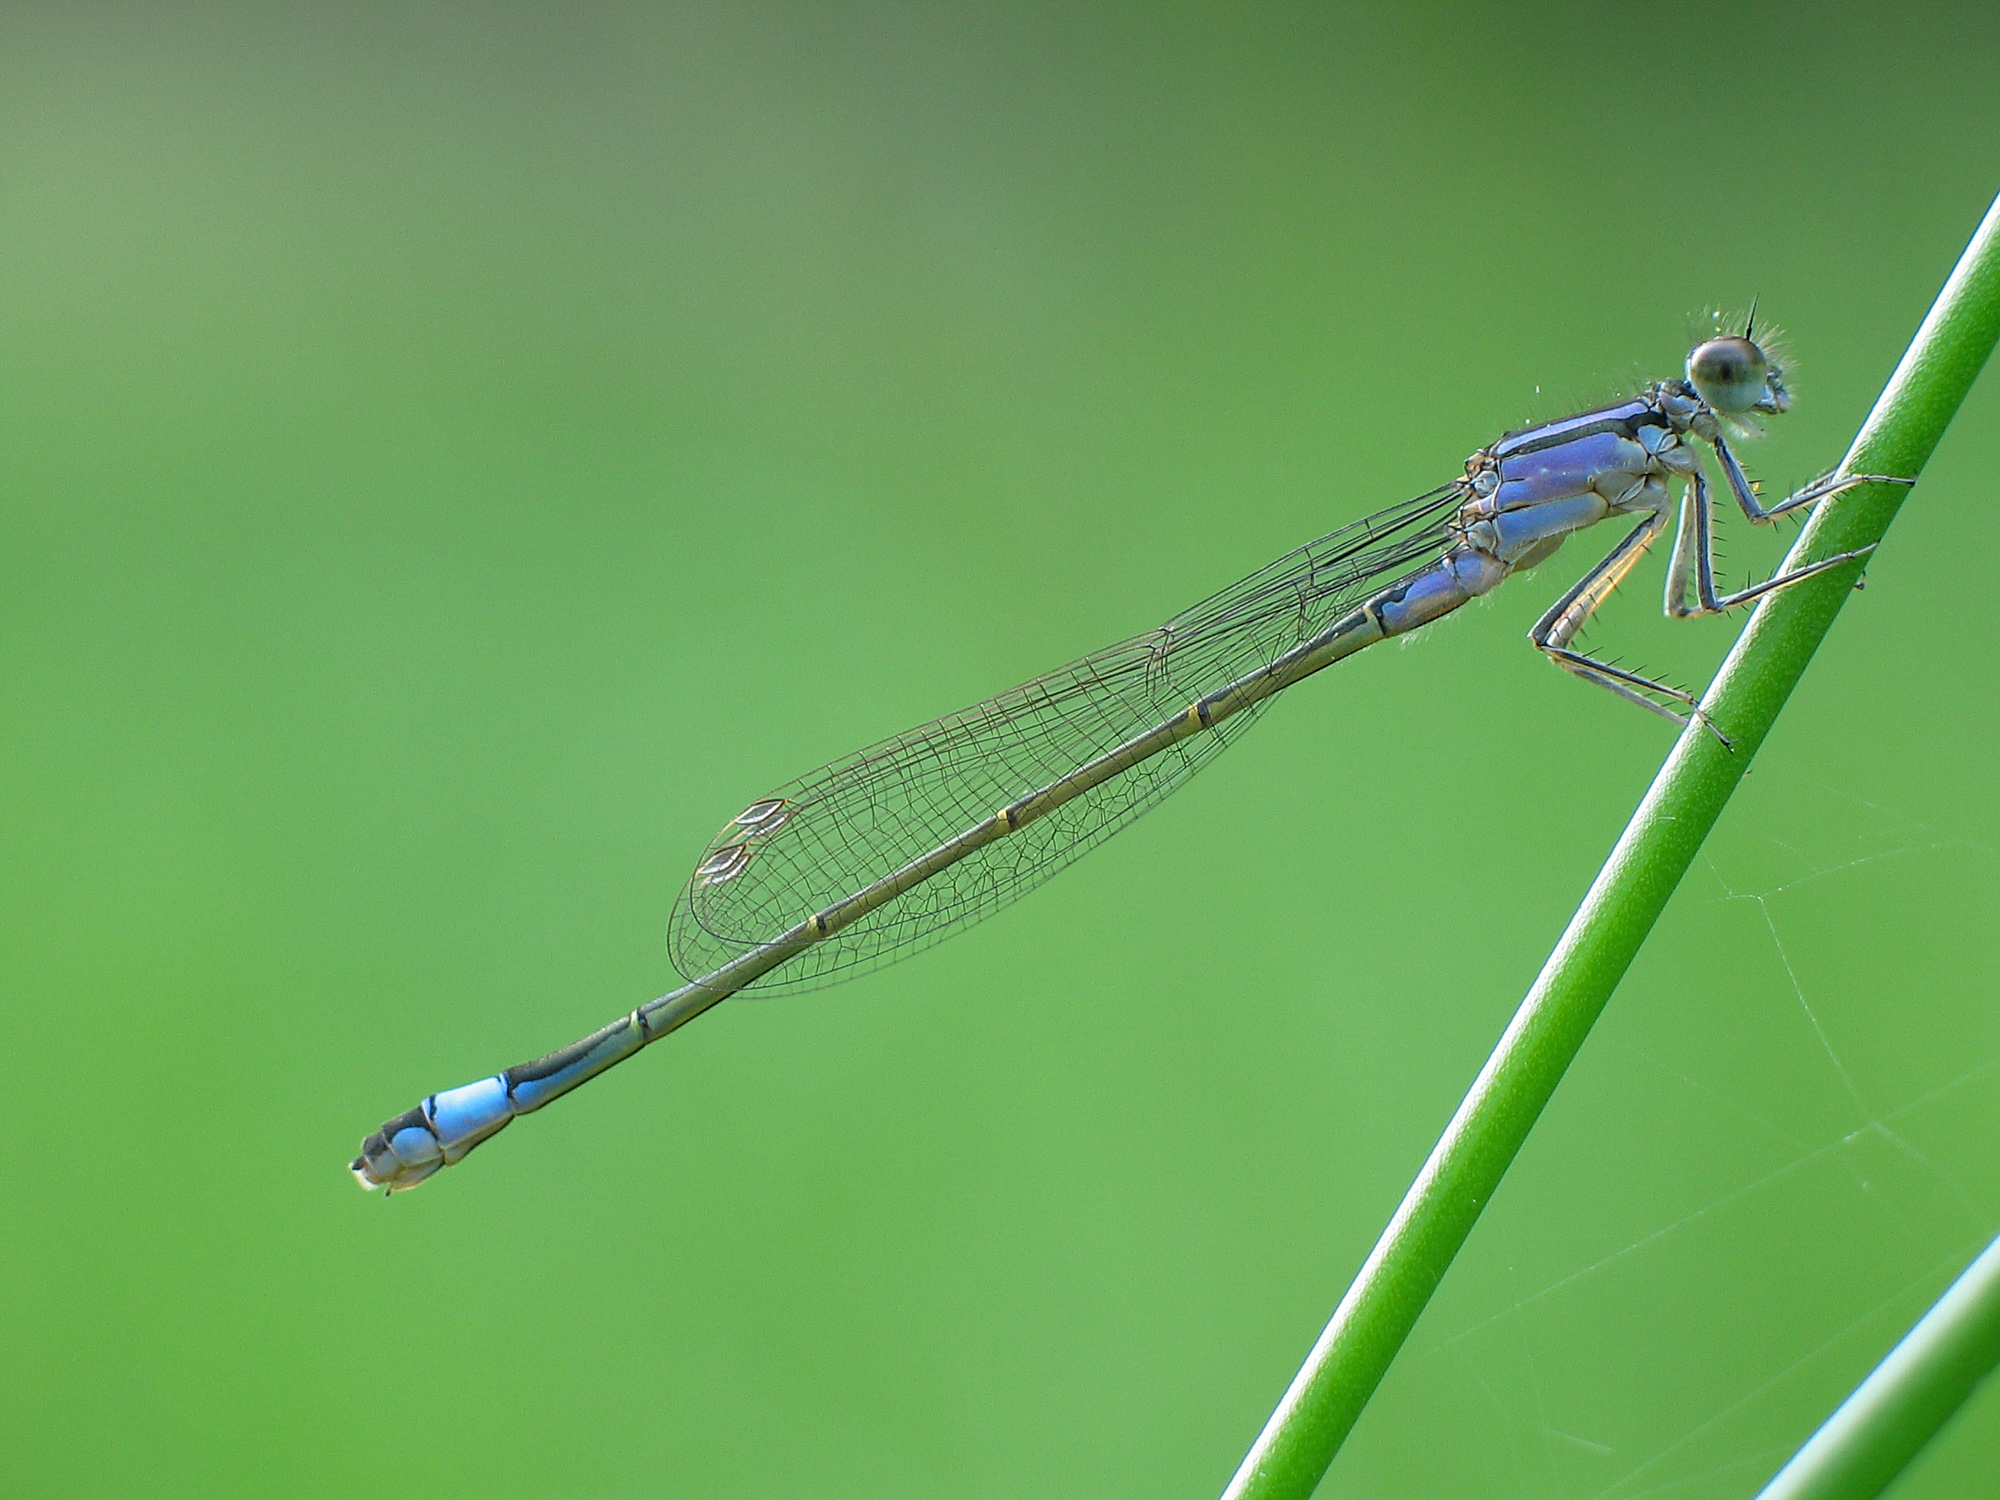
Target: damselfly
877,855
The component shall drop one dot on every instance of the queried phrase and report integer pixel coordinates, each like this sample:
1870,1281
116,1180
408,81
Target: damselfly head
1734,375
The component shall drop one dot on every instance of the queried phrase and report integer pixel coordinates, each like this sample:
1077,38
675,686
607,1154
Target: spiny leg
1694,554
1568,615
1819,489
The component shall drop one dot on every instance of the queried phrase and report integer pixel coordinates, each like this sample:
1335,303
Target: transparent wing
828,835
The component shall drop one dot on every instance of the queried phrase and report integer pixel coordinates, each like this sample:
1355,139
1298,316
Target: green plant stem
1410,1259
1911,1395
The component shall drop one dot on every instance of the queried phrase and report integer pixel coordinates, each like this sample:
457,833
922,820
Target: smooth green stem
1909,1397
1393,1287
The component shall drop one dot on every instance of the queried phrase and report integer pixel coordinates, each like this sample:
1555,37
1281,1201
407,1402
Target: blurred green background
454,457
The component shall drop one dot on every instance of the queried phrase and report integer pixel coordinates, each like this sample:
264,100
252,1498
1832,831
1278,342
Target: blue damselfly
877,855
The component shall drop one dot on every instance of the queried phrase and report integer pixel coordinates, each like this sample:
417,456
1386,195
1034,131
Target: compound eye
1730,373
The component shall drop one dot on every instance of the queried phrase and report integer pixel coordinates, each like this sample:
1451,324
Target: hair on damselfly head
1741,368
1721,322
